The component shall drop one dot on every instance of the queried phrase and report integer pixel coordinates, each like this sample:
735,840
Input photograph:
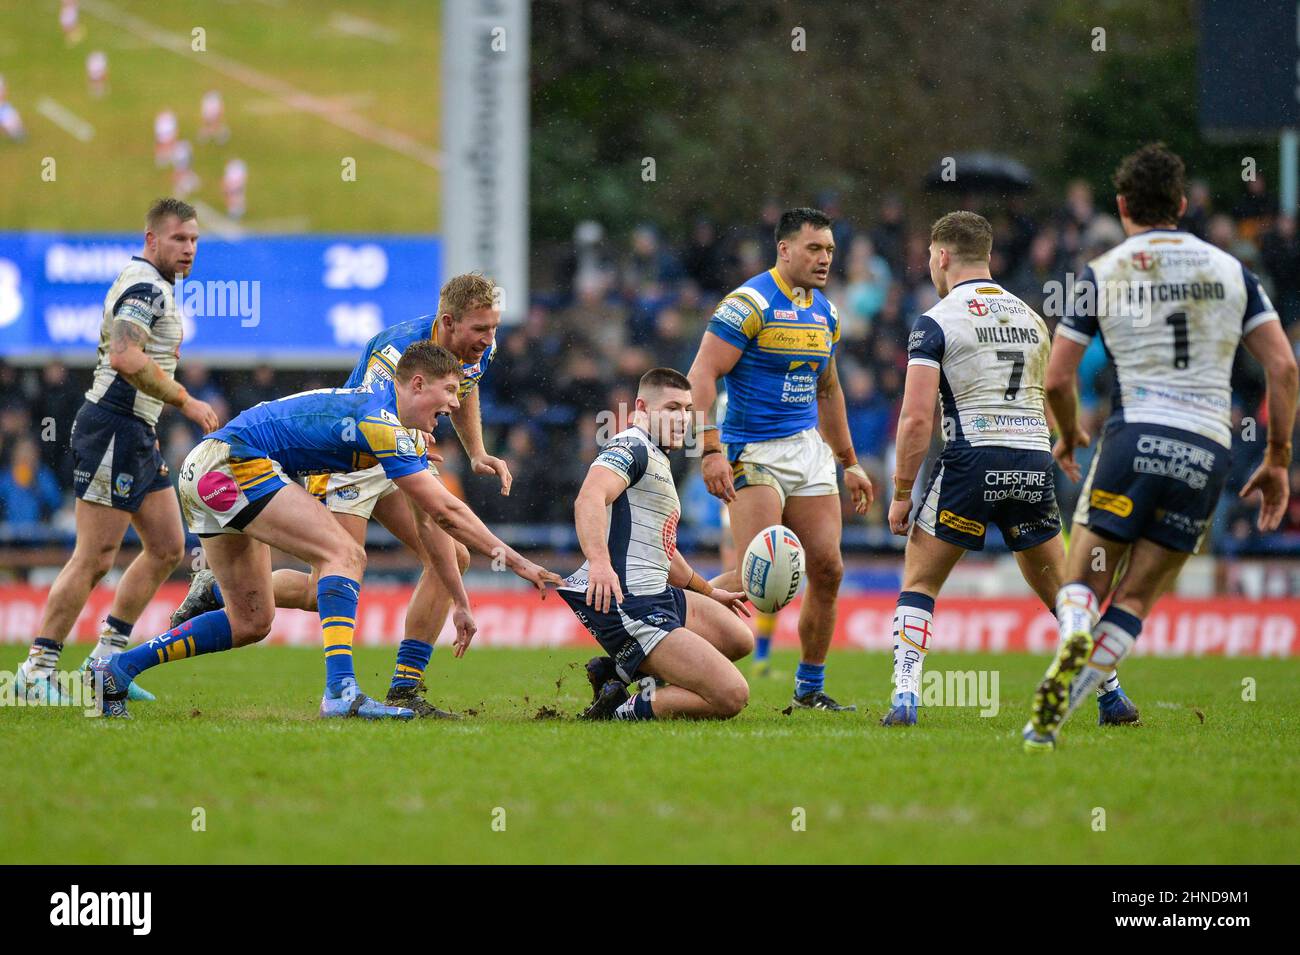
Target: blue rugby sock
336,602
207,633
809,678
412,660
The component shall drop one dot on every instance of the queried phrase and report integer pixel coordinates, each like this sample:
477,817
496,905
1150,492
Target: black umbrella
979,172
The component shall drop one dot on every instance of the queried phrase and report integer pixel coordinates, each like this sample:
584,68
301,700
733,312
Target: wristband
857,469
1278,455
180,397
706,427
903,490
707,451
699,584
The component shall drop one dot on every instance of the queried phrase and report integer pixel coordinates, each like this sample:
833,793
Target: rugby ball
772,569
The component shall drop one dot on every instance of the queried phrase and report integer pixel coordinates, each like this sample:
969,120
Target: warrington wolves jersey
991,351
642,520
1171,311
786,342
143,296
330,429
379,360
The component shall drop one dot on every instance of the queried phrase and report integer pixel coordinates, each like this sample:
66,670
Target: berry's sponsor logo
1117,504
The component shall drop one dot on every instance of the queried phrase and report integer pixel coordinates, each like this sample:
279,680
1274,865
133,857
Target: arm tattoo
150,379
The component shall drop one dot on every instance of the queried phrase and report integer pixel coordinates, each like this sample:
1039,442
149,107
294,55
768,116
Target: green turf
235,735
294,157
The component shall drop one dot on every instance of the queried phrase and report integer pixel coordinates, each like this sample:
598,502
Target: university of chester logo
977,307
1142,261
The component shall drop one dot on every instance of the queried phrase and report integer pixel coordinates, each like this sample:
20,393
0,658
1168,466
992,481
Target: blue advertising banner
295,301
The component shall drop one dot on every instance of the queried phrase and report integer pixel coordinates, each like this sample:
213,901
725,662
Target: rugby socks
765,625
1113,638
1109,686
635,707
1076,610
113,637
43,657
412,659
913,627
809,678
336,602
206,633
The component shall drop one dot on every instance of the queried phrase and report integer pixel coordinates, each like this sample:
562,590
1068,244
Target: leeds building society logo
78,908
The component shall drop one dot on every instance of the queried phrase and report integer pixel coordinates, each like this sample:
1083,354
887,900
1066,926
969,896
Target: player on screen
237,499
1171,311
465,324
629,592
984,351
773,462
119,477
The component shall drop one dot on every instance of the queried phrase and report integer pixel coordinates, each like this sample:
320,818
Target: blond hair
466,293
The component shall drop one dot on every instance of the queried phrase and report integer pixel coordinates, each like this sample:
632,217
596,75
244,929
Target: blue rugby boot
902,712
1116,709
352,702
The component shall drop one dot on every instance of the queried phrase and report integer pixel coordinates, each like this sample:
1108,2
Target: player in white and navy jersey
982,353
465,324
119,476
629,593
1171,311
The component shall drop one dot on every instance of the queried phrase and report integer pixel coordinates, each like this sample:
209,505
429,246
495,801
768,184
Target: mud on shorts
1153,481
973,487
220,494
116,461
801,465
356,492
632,628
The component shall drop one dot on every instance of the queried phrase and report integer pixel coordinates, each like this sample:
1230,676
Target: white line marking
361,27
391,139
65,119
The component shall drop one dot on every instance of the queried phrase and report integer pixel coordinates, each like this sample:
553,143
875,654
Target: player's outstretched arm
127,340
468,422
833,421
714,359
453,516
915,424
442,551
1063,400
681,574
1271,348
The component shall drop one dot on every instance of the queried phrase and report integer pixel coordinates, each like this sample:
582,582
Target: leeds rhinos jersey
379,360
642,520
143,296
991,351
1171,310
785,346
331,429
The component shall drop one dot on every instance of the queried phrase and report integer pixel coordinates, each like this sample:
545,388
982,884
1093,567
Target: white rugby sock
913,628
1076,610
111,639
1113,638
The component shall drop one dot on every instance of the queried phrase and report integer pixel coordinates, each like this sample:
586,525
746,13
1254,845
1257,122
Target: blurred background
617,167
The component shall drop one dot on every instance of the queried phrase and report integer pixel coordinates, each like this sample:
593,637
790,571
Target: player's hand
735,602
486,464
900,517
717,477
602,587
1273,486
201,413
1063,452
537,575
860,490
429,441
463,621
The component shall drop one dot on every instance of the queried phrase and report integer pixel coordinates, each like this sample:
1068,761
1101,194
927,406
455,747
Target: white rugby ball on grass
772,569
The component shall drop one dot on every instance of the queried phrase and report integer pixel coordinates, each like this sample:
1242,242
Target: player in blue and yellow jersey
236,494
773,341
465,324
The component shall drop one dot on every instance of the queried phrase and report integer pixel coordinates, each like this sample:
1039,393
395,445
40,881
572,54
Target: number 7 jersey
1171,310
991,352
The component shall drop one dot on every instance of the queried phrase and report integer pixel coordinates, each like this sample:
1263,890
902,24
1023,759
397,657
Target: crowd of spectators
618,305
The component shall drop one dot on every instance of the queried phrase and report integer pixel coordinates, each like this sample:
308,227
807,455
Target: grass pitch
1209,777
